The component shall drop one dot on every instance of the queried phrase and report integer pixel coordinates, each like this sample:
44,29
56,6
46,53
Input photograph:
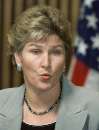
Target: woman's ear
17,57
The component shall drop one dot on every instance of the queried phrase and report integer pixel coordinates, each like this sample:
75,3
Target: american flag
85,63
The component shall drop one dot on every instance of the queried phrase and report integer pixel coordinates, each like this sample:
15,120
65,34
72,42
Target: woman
40,42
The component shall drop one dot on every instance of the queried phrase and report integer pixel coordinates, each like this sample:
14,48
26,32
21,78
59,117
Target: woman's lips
45,76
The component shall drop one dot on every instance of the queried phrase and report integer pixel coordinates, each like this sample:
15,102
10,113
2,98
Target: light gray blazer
79,109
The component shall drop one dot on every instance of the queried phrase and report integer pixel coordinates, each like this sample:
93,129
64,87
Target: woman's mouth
45,77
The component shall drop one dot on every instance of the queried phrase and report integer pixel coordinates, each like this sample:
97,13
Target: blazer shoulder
91,100
8,93
94,102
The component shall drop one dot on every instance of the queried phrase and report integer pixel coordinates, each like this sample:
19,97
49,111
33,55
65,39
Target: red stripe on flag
80,72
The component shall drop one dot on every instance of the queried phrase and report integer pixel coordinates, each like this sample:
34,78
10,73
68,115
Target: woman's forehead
52,40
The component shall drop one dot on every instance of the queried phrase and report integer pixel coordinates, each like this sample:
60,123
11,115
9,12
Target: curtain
9,10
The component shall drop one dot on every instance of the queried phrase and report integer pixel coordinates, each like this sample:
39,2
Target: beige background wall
9,9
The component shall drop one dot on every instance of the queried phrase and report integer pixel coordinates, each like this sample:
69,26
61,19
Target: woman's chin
44,88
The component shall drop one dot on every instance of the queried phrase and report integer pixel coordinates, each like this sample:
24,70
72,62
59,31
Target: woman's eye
57,52
36,51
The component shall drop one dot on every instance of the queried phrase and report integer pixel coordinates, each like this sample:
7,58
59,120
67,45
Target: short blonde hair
36,23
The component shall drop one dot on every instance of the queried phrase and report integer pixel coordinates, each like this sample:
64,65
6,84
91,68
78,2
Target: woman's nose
46,60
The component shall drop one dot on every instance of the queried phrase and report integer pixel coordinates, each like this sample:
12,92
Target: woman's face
42,62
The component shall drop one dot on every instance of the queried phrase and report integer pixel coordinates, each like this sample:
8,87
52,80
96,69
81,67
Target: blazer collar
72,112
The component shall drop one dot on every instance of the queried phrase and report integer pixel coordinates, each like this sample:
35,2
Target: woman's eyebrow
41,45
34,45
58,46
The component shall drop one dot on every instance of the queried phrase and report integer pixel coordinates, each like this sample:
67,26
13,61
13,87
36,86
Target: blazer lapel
72,111
11,124
11,115
73,119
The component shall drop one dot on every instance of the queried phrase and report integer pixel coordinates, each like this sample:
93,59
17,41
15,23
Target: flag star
77,40
95,41
88,3
82,48
92,20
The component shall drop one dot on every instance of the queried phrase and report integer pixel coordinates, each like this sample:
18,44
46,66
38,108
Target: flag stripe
80,73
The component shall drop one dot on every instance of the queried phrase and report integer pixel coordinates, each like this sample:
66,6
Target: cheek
30,67
28,61
27,66
58,66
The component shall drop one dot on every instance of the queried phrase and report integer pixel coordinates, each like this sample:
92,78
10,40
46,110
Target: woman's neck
42,100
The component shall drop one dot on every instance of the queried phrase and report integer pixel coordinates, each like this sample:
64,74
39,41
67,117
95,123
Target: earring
19,67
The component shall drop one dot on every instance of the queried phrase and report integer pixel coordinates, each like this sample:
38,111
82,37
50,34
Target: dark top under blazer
78,110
